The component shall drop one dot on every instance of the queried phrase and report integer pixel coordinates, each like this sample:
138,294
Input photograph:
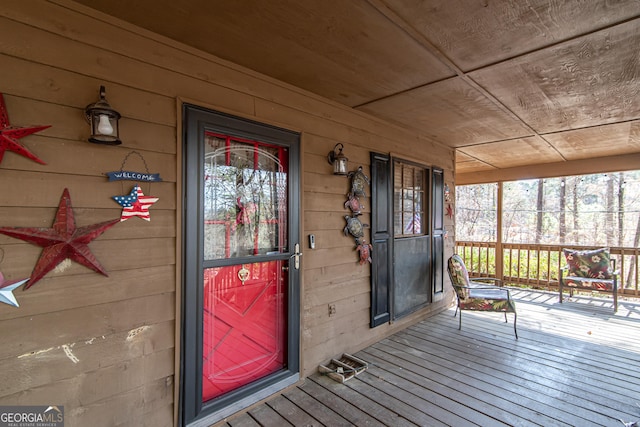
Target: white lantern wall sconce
104,121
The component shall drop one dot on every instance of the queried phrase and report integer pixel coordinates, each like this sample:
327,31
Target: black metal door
240,263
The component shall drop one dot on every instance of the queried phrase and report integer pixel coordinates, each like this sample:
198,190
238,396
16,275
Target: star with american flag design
135,204
9,135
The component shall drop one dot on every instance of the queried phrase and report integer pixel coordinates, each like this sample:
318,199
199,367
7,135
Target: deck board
344,407
267,417
325,415
370,406
575,363
296,415
376,384
243,420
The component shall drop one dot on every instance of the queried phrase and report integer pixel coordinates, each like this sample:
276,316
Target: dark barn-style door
407,233
241,310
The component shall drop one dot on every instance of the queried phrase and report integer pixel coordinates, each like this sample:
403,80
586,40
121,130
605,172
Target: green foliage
532,264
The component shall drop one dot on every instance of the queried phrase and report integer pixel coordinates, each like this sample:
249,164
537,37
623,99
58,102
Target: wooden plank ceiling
510,84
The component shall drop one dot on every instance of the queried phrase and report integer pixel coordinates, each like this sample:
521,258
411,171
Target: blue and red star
135,204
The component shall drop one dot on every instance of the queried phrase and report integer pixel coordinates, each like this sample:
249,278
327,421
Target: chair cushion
488,300
488,293
585,282
459,273
592,264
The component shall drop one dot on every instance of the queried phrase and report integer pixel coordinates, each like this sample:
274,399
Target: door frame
193,412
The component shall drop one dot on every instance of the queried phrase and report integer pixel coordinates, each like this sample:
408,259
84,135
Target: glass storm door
239,286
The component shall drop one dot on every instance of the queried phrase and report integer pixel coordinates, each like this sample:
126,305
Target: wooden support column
499,251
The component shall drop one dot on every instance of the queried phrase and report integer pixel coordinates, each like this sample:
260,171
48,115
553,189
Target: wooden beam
551,170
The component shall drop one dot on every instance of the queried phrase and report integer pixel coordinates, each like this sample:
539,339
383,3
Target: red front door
245,278
243,326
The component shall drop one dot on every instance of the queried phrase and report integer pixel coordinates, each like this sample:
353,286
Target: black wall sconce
338,160
104,121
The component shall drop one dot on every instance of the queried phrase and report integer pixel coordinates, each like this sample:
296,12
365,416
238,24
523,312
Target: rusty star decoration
6,290
63,241
9,135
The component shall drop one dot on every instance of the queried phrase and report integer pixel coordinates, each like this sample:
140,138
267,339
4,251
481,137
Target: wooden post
499,252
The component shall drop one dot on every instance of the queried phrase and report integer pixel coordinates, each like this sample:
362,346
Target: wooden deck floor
575,364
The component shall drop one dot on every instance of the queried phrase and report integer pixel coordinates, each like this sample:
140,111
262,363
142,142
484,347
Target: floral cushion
459,273
585,282
459,276
591,264
484,299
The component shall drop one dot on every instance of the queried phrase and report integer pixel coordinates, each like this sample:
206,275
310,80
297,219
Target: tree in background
586,210
476,212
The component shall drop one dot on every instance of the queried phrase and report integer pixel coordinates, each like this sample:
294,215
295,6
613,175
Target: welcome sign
125,175
133,176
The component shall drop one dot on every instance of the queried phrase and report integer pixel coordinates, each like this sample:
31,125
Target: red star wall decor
62,241
9,135
449,211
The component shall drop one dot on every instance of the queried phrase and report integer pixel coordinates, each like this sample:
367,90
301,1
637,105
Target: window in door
412,241
408,197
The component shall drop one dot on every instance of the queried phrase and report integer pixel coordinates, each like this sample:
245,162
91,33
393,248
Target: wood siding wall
105,347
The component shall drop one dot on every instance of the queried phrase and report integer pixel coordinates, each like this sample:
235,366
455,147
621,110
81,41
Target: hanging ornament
245,212
354,204
241,215
364,249
9,135
449,212
7,288
135,204
355,227
63,241
359,182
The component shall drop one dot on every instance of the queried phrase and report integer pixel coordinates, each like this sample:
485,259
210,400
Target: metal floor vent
343,369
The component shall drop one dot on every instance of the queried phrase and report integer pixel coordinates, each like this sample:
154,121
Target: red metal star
449,211
62,241
9,135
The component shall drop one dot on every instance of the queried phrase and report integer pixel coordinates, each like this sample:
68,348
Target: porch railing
538,266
